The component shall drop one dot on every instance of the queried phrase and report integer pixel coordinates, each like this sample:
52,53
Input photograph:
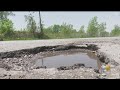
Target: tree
115,31
6,25
56,28
92,30
41,26
82,32
66,29
6,28
4,15
101,28
106,34
31,24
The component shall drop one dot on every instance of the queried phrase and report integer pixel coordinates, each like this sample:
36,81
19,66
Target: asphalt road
6,46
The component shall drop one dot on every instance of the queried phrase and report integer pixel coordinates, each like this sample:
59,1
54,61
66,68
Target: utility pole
41,29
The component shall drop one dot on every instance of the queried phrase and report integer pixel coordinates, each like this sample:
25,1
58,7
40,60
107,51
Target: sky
77,19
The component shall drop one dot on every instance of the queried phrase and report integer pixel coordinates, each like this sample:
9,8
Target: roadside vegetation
34,31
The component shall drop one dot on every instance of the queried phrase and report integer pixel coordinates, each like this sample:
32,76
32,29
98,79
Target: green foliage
33,32
6,28
106,34
32,28
101,28
56,29
1,37
6,25
82,32
31,24
96,30
115,31
92,30
60,31
4,15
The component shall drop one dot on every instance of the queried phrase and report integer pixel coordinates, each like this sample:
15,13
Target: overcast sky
77,19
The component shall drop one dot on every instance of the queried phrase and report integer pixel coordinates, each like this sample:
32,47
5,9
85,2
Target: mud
75,66
105,59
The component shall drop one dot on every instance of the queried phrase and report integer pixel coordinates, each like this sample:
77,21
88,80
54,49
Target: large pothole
69,59
63,57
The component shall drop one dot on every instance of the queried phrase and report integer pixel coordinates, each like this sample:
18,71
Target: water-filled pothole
68,56
89,59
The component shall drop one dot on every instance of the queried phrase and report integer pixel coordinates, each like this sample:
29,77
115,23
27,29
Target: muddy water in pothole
67,59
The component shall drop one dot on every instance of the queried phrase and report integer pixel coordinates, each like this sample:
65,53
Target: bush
1,37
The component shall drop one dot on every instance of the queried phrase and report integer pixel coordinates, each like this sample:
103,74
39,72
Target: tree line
33,31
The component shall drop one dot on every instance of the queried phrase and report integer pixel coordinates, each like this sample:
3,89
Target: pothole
69,60
61,57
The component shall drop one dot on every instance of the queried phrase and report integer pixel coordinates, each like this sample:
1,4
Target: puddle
68,59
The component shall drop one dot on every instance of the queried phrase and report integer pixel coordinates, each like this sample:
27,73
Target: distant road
6,46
